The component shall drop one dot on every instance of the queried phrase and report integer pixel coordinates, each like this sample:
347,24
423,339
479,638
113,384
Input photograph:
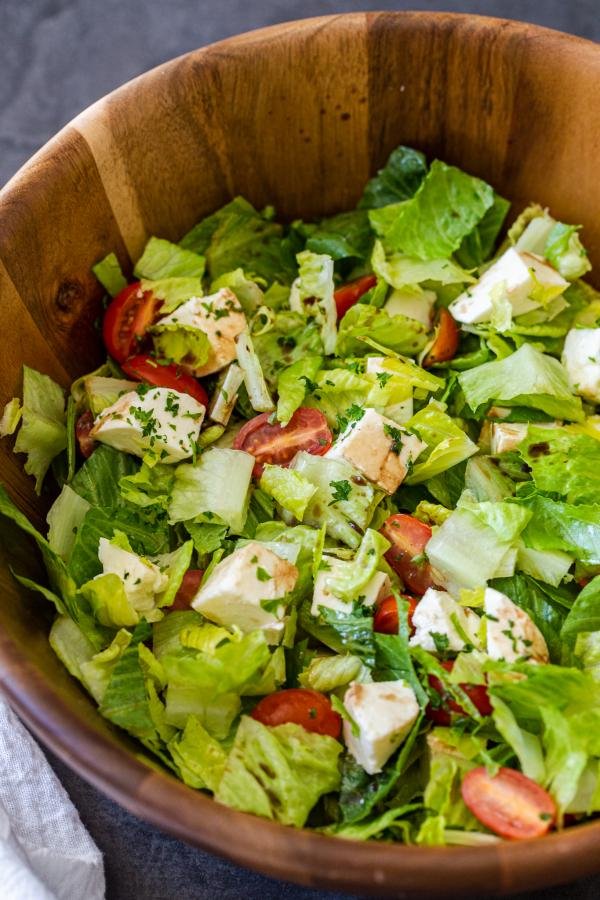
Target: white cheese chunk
519,275
220,317
581,359
416,305
384,712
434,615
379,448
158,420
141,578
242,585
511,634
506,436
377,588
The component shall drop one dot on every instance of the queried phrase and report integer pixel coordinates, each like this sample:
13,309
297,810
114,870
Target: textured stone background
58,56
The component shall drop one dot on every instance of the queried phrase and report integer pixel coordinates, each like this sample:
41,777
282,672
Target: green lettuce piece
125,701
110,275
393,661
174,565
566,252
181,343
148,487
587,652
345,236
254,378
401,271
326,673
206,537
391,821
550,566
315,283
101,391
446,207
109,602
217,485
507,519
173,291
97,671
526,378
198,239
399,180
561,526
247,291
563,463
291,337
547,608
351,577
64,518
526,745
289,488
585,613
447,443
162,259
279,773
396,333
478,245
70,645
338,392
339,503
11,417
166,633
43,434
97,481
293,384
345,632
485,480
199,758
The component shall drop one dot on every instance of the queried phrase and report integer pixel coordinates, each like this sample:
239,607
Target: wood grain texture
298,115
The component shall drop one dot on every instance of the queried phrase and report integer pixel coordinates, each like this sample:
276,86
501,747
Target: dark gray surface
58,56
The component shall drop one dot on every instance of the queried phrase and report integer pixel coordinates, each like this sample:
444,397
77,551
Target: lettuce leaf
199,758
292,386
561,526
399,180
289,488
279,772
162,259
109,602
446,207
215,486
174,290
526,378
585,612
43,434
447,443
290,338
326,673
566,252
477,246
178,342
351,577
125,702
397,333
315,283
345,236
345,632
336,391
401,271
97,481
110,275
563,463
547,608
64,518
247,291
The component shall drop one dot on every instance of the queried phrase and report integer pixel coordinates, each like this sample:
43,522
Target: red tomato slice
83,426
509,803
307,430
408,537
442,715
349,294
187,589
308,708
127,319
385,620
145,368
445,341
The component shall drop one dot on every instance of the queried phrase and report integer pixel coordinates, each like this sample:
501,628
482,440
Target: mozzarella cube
581,359
506,436
379,448
377,588
511,634
520,275
416,305
220,317
242,587
433,616
141,578
384,712
158,420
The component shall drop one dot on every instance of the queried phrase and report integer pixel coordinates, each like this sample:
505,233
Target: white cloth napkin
45,851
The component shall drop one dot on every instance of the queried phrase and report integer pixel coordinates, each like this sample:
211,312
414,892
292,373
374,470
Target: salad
325,530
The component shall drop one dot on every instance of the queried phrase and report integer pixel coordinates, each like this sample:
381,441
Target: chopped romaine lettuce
398,180
110,275
162,259
43,434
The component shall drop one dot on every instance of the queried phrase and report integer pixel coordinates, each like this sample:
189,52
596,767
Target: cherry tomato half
408,537
349,294
385,620
307,430
187,589
445,341
145,368
127,319
442,715
509,803
304,707
83,426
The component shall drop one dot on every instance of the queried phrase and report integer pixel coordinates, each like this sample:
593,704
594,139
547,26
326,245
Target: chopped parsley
262,574
383,378
397,437
340,490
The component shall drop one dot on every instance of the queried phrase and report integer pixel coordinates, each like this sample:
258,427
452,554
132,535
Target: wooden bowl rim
299,855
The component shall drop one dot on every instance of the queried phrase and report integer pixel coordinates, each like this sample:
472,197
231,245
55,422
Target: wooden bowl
298,115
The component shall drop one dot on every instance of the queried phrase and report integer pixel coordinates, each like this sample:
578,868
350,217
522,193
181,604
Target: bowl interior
298,116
